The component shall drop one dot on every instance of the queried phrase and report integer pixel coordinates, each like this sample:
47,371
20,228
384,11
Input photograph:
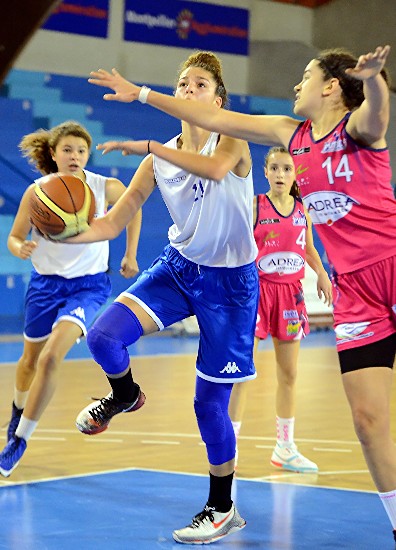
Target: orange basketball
61,206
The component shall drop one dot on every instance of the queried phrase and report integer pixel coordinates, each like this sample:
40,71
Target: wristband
144,92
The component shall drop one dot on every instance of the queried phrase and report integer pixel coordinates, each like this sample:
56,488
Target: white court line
343,472
301,440
35,438
197,435
307,475
152,442
329,450
269,479
103,440
287,475
319,449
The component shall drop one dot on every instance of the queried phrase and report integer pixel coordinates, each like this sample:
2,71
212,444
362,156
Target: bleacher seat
271,106
34,93
26,78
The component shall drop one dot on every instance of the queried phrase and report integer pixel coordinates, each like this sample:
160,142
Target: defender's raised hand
124,90
370,64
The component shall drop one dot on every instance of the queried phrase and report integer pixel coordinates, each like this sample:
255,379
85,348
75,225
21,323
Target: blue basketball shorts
224,301
51,299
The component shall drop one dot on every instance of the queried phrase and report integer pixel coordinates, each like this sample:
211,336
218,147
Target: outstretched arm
370,121
230,154
125,209
269,130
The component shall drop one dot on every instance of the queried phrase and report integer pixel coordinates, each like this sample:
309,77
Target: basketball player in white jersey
208,270
68,284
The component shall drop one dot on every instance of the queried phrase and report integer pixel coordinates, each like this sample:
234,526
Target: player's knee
211,421
49,360
108,339
97,341
111,353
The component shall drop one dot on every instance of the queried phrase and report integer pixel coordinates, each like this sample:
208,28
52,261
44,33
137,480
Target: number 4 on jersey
301,240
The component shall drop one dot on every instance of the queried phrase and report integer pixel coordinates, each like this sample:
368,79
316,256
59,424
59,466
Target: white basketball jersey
213,220
74,260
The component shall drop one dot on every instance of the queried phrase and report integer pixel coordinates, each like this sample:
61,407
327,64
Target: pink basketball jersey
281,242
346,189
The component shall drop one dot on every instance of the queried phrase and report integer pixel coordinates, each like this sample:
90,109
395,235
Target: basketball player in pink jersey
343,170
283,234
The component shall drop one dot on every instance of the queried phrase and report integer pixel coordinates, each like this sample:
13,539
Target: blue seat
40,93
26,78
16,111
75,89
44,108
271,106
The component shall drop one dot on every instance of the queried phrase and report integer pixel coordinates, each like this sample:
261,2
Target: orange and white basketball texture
61,206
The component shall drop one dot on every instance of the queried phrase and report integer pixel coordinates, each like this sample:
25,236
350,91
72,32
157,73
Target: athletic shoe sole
7,473
92,430
297,470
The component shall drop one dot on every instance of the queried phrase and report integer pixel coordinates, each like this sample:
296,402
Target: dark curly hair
333,63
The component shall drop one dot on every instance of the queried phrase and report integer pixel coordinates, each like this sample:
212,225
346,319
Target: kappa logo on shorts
78,312
230,368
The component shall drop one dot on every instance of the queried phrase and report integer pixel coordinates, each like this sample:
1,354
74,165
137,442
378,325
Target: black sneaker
15,418
96,417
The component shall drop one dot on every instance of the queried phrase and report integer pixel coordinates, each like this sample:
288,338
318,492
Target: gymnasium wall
283,38
78,55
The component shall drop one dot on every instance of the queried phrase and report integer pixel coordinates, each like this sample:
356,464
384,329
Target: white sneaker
288,457
209,526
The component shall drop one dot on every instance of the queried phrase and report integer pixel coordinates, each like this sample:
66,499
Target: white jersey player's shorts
224,301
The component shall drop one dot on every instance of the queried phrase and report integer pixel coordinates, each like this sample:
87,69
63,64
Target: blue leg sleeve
108,339
211,409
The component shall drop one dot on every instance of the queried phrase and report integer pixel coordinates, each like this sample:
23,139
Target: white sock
389,502
20,398
237,428
25,428
284,431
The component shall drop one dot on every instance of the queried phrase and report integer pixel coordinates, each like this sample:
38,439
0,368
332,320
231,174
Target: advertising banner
192,25
86,17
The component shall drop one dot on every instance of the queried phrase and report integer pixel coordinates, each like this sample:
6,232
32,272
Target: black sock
124,388
220,492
